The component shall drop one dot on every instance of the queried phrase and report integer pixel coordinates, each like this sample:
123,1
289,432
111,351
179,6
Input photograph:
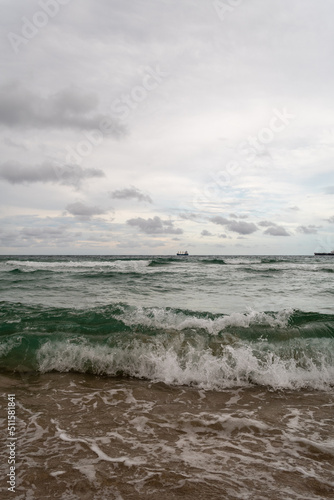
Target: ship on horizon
183,253
324,253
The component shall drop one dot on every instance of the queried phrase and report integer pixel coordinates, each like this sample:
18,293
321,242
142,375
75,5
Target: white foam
174,361
326,447
226,423
140,424
87,470
235,261
162,318
96,449
79,265
57,473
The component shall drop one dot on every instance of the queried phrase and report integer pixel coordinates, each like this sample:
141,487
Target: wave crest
178,362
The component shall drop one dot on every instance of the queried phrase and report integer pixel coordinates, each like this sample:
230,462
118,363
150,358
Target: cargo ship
324,253
184,254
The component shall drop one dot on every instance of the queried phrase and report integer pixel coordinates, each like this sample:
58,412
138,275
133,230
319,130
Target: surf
284,349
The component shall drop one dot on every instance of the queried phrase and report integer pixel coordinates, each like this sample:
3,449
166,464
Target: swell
270,270
213,261
142,264
162,261
18,317
35,271
276,260
121,275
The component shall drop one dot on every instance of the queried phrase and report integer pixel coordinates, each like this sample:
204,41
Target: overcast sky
152,126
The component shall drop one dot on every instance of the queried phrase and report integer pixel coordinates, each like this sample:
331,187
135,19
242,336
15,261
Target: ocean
165,377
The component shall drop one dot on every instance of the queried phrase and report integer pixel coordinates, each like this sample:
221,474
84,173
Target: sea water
162,377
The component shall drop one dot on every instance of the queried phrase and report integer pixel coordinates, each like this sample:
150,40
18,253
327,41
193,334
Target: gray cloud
68,108
330,219
82,211
154,225
276,231
235,216
71,175
58,234
190,216
35,236
219,220
242,227
130,193
266,223
8,238
13,144
43,233
311,229
206,233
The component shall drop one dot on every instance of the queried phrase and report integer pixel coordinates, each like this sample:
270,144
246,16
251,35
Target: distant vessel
323,253
182,253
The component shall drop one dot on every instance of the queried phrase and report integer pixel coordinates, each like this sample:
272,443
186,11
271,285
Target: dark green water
212,322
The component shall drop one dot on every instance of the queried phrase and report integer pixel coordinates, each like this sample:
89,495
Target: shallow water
81,436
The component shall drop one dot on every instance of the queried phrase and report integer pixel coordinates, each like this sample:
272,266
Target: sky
152,126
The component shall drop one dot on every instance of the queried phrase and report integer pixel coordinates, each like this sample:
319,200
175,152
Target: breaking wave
285,349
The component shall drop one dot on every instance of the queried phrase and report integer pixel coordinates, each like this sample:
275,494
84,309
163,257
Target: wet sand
81,436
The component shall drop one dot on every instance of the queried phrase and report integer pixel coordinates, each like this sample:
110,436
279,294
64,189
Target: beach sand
88,437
